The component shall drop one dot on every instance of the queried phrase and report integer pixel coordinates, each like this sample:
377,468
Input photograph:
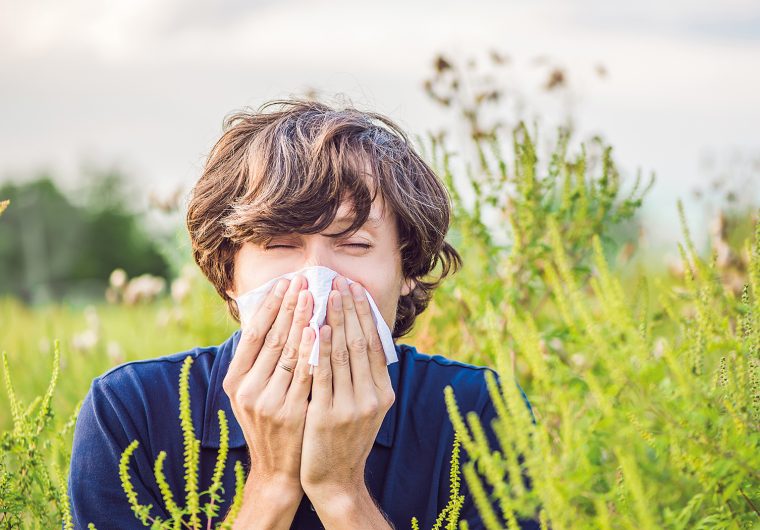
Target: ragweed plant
648,414
188,516
505,231
450,512
512,189
31,482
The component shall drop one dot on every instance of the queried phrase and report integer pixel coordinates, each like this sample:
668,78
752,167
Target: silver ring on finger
285,366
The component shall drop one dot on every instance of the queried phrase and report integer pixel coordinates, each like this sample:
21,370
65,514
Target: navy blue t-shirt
407,471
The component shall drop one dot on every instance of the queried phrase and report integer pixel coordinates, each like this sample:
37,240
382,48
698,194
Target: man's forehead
376,214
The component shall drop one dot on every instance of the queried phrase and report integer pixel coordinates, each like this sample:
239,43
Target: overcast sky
145,84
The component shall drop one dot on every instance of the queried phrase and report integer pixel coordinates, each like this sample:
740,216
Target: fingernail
302,299
337,302
357,290
282,286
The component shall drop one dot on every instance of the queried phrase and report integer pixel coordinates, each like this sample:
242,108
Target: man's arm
266,506
354,508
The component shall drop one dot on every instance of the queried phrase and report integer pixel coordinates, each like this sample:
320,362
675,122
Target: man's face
377,268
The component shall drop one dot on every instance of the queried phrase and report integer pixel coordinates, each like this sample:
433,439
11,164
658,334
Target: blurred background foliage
55,247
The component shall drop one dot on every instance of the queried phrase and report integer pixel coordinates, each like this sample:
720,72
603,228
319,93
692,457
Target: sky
145,85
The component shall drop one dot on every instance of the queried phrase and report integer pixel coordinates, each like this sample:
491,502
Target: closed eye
360,245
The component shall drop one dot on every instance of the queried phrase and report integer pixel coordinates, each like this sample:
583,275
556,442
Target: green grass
133,332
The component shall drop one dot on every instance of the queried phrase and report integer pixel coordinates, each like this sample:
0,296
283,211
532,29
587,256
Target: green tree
51,247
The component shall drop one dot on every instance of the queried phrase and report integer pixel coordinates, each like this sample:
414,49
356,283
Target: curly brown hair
288,170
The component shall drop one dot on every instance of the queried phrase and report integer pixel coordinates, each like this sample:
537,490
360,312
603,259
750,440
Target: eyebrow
371,220
372,224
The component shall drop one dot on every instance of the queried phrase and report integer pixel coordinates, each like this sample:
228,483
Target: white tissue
319,284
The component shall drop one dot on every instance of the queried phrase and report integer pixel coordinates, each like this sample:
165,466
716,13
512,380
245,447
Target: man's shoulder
430,374
133,398
447,363
157,373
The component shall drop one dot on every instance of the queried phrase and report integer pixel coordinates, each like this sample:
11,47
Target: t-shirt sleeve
469,511
104,428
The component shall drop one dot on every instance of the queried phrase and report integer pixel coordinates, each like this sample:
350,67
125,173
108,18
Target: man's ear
408,286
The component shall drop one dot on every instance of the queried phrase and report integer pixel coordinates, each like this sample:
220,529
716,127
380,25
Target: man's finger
301,383
343,389
361,376
321,382
276,339
255,330
293,352
377,361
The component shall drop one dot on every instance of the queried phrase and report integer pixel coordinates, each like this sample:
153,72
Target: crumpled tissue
319,284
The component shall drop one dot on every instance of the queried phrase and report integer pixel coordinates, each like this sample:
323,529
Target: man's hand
351,394
270,402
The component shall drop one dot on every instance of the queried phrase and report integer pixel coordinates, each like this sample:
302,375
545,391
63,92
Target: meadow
645,381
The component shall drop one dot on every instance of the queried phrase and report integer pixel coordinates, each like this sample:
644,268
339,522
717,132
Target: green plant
637,429
579,193
191,455
451,511
504,192
28,454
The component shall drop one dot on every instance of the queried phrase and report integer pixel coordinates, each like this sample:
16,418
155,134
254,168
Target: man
355,444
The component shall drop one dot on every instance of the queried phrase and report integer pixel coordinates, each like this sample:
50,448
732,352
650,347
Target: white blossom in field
85,341
556,345
578,361
88,339
115,352
112,295
118,278
659,348
180,288
143,288
92,318
168,316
